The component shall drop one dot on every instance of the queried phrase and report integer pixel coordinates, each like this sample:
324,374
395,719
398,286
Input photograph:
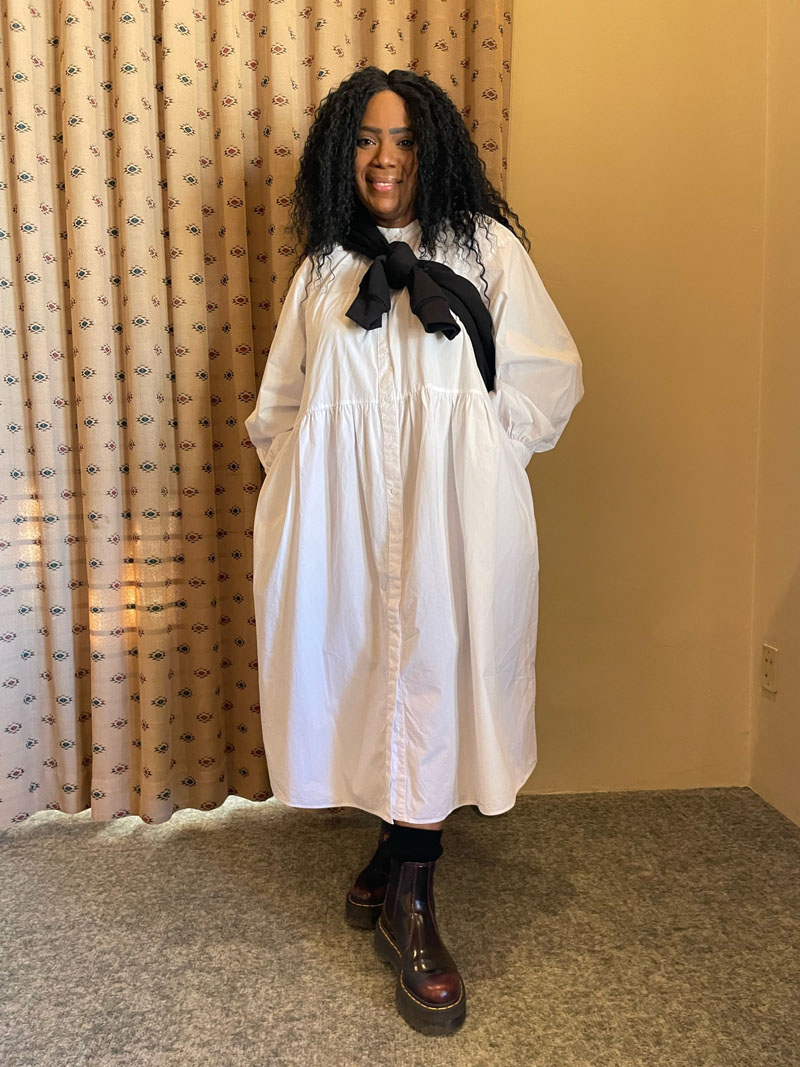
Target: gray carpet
607,930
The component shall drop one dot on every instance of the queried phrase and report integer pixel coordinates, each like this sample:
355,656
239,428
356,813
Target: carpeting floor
602,930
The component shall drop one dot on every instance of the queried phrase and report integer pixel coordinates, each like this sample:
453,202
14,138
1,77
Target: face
386,161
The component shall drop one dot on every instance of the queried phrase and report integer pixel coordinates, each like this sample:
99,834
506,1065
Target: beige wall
637,165
776,749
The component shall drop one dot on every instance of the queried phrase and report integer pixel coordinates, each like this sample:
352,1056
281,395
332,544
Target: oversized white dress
396,567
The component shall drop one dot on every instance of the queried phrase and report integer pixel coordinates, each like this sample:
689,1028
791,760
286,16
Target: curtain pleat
150,151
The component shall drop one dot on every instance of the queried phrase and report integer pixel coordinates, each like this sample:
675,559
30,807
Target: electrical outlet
769,668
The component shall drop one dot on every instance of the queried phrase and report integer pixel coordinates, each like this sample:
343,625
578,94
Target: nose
385,154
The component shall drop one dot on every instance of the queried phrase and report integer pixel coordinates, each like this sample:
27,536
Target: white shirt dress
395,554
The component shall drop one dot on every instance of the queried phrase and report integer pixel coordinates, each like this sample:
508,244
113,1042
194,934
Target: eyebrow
394,129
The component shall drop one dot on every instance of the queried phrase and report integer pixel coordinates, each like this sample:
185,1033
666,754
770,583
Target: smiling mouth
382,186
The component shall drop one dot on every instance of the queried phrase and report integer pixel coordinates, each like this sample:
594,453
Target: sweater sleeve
538,371
279,395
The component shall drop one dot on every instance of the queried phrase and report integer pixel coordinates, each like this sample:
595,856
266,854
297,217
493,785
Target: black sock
409,844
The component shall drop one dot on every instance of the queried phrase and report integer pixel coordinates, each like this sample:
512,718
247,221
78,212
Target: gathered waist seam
398,397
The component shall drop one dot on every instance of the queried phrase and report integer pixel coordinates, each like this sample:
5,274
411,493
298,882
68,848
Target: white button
392,491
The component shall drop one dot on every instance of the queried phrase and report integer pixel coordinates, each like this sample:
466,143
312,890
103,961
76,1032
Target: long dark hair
452,187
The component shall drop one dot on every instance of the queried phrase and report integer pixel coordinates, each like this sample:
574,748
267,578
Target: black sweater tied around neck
435,292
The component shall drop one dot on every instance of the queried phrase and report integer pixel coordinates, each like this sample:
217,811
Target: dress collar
408,233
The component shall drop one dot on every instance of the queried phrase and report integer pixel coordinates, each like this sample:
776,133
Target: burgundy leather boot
430,993
365,897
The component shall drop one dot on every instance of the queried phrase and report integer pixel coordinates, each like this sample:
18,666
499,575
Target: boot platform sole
362,916
426,1018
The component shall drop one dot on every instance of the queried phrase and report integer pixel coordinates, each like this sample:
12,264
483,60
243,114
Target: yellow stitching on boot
389,937
431,1007
422,1004
358,904
406,990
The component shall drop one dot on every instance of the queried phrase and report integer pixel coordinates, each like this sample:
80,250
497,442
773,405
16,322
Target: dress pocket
277,443
520,450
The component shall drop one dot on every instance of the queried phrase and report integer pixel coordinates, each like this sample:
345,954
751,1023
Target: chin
391,219
381,211
391,216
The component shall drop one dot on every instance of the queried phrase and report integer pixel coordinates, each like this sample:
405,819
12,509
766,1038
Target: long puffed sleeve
538,371
284,376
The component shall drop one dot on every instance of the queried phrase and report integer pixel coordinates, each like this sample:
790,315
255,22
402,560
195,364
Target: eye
362,141
407,142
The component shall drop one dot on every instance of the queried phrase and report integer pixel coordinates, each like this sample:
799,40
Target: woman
417,365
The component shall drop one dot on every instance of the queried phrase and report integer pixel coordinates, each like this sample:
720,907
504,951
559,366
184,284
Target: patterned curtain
150,148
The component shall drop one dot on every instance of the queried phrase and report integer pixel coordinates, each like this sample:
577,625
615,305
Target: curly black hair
452,187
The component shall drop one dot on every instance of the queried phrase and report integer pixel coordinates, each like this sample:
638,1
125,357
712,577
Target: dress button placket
396,760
